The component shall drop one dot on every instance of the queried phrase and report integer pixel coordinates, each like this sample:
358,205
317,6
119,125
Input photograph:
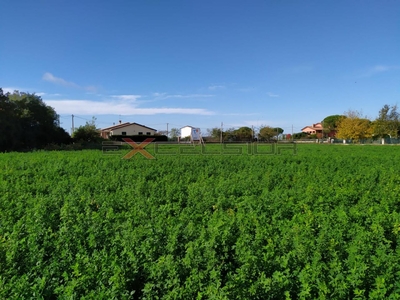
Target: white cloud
272,95
10,90
162,96
239,114
216,87
87,107
13,89
128,98
378,69
57,80
159,94
60,81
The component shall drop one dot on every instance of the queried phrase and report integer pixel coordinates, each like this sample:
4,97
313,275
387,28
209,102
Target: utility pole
167,129
292,131
222,124
73,129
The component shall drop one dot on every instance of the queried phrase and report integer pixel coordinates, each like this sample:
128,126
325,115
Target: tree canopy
244,134
388,122
87,133
174,134
26,122
354,126
266,133
331,122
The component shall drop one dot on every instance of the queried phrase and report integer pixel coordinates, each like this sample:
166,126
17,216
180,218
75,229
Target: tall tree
9,127
330,123
278,131
387,122
174,134
229,134
244,134
27,122
88,132
266,133
214,133
354,126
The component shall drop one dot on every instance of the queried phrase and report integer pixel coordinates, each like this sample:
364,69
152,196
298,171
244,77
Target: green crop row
321,224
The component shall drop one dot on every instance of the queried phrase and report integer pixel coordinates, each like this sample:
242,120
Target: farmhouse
127,129
318,130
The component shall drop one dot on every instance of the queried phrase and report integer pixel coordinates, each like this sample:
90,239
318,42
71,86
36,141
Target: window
148,133
123,133
140,133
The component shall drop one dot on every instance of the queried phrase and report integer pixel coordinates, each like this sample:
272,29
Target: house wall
133,129
309,130
104,134
190,131
186,131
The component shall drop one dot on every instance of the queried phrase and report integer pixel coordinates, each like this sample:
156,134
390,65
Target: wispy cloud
159,94
87,107
239,114
245,90
57,80
128,98
378,69
10,90
162,96
13,89
272,95
216,87
60,81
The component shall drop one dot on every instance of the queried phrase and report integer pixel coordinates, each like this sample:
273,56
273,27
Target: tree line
244,134
27,123
353,125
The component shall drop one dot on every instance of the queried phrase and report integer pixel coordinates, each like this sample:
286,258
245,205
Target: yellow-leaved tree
353,126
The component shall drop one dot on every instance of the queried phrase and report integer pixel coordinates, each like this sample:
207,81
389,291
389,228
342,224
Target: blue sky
200,63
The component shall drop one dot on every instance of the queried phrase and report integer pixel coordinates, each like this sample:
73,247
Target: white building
190,131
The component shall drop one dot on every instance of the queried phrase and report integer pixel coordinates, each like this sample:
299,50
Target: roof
190,127
116,126
125,125
316,126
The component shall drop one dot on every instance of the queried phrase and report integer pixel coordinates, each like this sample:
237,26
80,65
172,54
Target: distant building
128,129
318,130
193,133
190,131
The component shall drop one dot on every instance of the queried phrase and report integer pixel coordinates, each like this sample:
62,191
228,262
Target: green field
321,224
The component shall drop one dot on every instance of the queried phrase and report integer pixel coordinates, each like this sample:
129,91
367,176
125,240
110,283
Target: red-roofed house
127,129
318,130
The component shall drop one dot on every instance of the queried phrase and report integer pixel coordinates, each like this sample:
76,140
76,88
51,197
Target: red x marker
138,148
